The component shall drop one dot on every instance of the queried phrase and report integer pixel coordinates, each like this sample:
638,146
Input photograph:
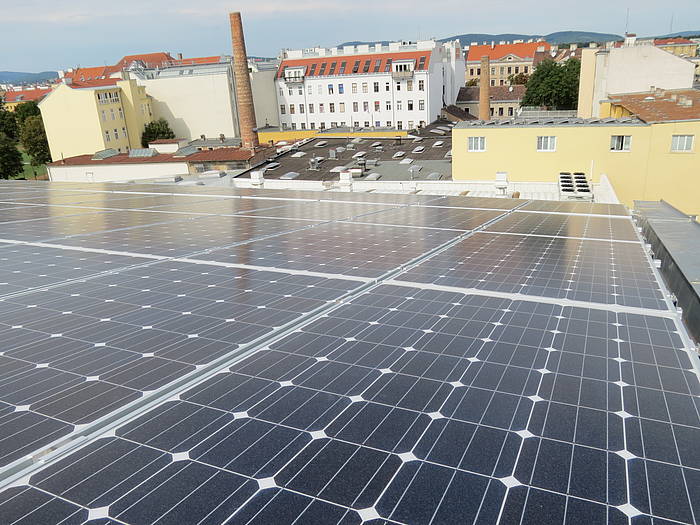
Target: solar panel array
211,355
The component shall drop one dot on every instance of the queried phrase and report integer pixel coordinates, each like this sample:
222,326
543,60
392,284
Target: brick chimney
244,93
484,89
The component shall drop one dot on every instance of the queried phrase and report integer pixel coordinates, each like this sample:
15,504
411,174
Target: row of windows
108,97
332,89
377,107
108,135
377,123
617,143
113,114
503,70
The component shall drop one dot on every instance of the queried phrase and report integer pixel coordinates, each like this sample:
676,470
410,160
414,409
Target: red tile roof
499,51
651,107
100,82
148,59
197,61
670,41
350,60
26,95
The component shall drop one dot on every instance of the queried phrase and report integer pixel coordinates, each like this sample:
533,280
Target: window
309,90
365,106
546,143
421,85
124,132
477,144
320,89
355,107
301,108
525,69
341,107
682,142
104,115
111,112
116,135
376,87
398,86
410,124
290,91
334,124
285,126
377,105
330,89
354,87
341,90
313,125
341,71
493,82
471,71
356,66
478,71
294,125
322,125
311,108
493,70
303,125
510,70
620,142
282,91
410,105
301,90
398,105
387,86
377,124
331,107
409,85
366,123
500,111
510,111
399,124
364,87
320,108
502,69
388,123
282,109
291,109
517,69
388,105
107,138
421,105
121,114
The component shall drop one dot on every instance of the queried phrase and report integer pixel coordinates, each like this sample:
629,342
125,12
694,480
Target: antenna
670,29
627,22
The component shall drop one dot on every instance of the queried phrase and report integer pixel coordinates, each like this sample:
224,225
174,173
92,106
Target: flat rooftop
550,121
220,355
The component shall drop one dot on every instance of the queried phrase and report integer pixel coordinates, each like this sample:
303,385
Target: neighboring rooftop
661,105
26,95
496,93
353,64
553,121
524,50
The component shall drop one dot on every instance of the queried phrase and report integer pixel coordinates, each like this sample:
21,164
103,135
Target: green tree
33,139
10,158
472,82
8,124
158,129
554,86
519,79
24,110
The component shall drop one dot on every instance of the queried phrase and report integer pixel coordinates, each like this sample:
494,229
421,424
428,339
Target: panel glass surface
618,229
427,217
593,271
411,406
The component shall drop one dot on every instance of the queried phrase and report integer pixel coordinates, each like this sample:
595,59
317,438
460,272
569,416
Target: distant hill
682,33
16,77
560,37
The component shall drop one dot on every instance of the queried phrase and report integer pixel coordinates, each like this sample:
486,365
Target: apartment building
677,46
15,97
108,113
506,59
646,147
504,100
403,85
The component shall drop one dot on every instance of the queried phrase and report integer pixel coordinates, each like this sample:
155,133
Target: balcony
294,79
401,75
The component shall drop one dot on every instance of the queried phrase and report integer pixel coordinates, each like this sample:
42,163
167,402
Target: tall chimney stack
244,93
484,90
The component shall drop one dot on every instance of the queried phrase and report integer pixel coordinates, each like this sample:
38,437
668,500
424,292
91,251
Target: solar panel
256,357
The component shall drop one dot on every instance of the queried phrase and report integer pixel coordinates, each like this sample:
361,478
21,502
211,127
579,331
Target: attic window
356,66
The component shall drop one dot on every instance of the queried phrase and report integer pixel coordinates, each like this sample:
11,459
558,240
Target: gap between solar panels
19,472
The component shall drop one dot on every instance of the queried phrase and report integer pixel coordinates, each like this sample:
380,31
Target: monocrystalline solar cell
403,368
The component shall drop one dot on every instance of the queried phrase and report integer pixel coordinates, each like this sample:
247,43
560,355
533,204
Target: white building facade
402,85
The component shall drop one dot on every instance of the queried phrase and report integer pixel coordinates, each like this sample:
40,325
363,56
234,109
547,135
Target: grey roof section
675,241
546,122
216,142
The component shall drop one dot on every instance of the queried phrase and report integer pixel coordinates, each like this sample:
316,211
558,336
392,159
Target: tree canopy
518,79
158,129
33,139
8,124
554,86
10,158
24,110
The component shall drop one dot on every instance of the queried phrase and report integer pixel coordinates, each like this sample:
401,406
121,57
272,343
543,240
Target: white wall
194,105
638,69
264,97
115,172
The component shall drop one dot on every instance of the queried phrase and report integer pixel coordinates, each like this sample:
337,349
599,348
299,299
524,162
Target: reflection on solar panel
255,357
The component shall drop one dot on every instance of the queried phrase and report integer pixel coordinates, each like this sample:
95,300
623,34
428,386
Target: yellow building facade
656,161
84,120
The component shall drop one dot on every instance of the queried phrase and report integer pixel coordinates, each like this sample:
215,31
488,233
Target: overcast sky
48,34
